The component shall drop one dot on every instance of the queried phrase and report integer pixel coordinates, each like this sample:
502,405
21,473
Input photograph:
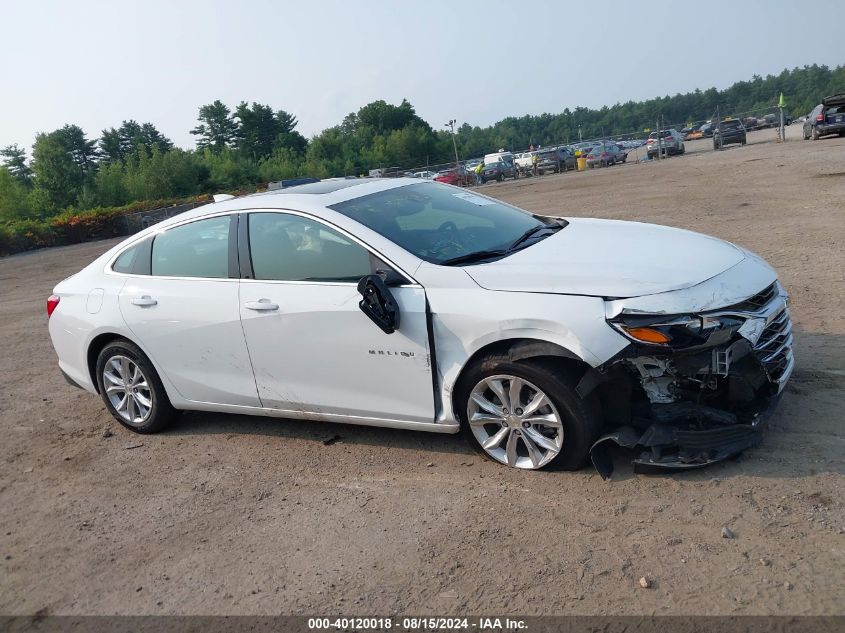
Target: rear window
731,124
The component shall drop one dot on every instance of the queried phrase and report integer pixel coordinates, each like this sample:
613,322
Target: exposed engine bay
694,389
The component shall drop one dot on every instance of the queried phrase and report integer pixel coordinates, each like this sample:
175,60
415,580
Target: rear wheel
131,388
815,134
527,415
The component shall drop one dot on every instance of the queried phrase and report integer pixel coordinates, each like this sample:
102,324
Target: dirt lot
239,515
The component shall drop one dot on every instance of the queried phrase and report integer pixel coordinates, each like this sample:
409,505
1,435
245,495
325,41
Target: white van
506,157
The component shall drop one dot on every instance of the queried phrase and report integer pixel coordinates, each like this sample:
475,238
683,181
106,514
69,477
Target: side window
292,248
198,249
135,260
125,262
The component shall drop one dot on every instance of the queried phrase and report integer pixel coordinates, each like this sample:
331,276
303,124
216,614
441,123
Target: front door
313,350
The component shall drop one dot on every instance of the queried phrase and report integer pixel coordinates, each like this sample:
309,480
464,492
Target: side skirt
407,425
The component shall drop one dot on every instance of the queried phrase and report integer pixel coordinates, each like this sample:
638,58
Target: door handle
262,305
144,301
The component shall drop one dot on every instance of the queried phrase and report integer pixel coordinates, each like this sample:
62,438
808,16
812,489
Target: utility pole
579,134
451,125
659,139
719,125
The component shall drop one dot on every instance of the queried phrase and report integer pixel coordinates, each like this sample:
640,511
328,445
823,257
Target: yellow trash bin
581,161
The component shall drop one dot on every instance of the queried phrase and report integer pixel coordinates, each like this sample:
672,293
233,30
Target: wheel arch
94,348
521,348
98,342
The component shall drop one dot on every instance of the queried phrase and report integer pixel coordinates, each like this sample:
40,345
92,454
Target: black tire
582,419
161,412
500,178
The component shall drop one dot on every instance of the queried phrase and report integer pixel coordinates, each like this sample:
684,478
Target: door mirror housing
378,303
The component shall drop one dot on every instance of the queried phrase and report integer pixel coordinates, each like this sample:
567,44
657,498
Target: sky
95,63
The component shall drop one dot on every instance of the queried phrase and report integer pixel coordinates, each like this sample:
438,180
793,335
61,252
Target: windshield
438,223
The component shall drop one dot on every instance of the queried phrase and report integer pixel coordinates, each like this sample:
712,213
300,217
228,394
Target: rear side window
125,263
198,249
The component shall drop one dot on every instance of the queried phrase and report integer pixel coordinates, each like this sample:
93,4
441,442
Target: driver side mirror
378,303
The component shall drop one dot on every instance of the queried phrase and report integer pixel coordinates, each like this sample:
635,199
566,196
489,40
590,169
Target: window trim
243,253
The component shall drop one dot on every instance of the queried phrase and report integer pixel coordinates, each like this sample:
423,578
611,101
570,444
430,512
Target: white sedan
417,305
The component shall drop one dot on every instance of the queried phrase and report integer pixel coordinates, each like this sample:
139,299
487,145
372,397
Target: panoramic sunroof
324,186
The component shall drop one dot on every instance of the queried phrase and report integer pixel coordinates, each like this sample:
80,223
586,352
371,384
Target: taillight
604,154
52,303
819,117
650,141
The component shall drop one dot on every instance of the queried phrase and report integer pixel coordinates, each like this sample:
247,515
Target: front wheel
131,388
527,415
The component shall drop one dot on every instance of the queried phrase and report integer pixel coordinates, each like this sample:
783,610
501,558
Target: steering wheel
448,245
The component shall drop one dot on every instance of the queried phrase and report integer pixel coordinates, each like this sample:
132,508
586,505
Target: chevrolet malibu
417,305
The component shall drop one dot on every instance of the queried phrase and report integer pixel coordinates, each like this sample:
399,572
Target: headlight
676,331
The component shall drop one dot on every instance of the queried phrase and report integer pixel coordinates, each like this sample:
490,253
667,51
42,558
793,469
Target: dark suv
733,131
557,160
826,118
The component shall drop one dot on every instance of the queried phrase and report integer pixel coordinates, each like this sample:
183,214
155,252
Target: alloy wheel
127,389
515,422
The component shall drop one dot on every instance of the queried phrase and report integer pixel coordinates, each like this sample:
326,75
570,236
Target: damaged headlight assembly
678,331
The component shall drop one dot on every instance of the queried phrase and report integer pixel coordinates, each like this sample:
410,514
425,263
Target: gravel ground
241,515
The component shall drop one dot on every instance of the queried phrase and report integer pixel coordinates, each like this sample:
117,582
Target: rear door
312,348
183,309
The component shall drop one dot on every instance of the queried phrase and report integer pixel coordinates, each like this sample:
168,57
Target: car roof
302,197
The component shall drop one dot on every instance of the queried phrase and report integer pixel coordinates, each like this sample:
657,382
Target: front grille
762,298
774,347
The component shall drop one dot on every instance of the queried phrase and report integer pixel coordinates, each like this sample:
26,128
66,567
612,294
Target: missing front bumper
682,437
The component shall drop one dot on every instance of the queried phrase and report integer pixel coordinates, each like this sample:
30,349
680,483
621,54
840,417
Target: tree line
239,148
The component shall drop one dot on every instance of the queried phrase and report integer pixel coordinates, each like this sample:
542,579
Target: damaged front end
694,389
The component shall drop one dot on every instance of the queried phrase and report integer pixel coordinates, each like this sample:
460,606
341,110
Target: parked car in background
732,131
499,171
505,157
583,146
826,118
671,143
604,154
456,176
706,130
555,159
410,304
691,133
750,123
427,175
524,161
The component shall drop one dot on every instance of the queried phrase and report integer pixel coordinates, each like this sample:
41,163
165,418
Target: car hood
610,258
